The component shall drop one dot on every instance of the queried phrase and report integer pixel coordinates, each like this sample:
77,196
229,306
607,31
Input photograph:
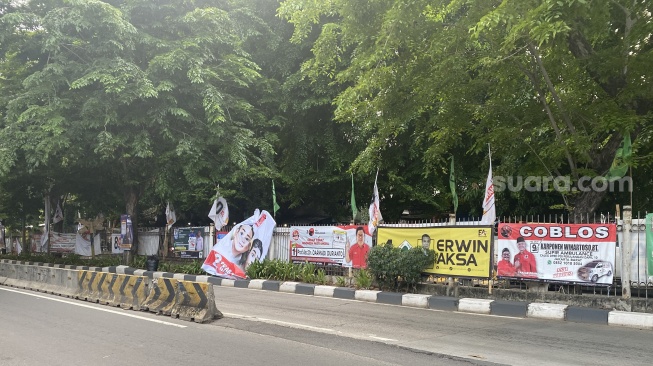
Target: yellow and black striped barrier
195,301
162,296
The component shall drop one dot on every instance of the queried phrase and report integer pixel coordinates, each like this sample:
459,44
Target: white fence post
626,250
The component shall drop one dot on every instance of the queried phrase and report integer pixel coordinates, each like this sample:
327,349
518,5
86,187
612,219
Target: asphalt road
40,329
270,328
474,337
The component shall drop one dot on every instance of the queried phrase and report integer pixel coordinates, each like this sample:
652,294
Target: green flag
621,161
275,206
452,185
354,208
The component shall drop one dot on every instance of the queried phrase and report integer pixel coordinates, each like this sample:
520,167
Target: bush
393,267
363,279
383,262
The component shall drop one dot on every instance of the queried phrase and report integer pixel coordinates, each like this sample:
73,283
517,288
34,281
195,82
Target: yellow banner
460,251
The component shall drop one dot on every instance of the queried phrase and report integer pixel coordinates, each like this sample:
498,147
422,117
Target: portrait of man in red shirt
505,266
525,261
357,253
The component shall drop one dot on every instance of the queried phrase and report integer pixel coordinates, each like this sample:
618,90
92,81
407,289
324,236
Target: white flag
58,214
171,216
489,211
375,209
219,213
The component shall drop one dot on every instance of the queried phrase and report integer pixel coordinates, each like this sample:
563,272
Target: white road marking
123,313
280,322
384,339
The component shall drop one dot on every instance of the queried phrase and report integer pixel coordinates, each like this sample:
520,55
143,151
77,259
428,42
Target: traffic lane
491,338
42,329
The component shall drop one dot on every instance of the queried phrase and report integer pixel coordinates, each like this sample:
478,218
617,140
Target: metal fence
640,282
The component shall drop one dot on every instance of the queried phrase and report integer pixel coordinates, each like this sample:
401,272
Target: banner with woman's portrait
245,244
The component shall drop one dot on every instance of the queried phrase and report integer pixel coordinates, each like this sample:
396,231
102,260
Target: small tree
392,267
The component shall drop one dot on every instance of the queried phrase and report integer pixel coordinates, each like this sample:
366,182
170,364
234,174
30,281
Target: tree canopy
130,103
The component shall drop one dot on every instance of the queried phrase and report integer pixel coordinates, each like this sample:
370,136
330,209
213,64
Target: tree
552,85
145,91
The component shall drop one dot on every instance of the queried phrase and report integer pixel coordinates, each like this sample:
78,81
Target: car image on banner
568,253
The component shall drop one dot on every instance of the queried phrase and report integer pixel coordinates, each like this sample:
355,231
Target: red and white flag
171,216
219,213
489,211
375,208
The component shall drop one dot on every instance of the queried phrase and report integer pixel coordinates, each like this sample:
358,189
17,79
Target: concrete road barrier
195,301
162,296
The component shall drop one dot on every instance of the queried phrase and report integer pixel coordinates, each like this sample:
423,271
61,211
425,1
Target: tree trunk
132,195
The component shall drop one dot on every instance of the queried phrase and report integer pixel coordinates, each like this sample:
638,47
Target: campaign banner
569,253
246,243
116,248
460,251
62,243
346,245
126,232
189,239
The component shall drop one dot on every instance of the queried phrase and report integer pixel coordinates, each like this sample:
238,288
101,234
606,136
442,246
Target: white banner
331,244
83,245
246,242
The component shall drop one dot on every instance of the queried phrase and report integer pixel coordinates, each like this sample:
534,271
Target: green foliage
255,270
383,262
392,267
307,272
341,281
138,261
363,279
321,277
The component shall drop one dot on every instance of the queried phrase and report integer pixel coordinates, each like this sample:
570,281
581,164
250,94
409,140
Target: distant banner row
569,253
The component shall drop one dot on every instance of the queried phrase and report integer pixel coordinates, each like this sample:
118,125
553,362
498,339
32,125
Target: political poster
346,245
126,232
62,242
246,243
569,253
116,248
460,251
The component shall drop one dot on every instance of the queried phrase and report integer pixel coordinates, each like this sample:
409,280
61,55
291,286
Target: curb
517,309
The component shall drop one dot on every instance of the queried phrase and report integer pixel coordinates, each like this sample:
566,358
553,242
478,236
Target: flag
171,216
375,208
489,211
452,185
621,161
219,213
58,215
354,208
275,206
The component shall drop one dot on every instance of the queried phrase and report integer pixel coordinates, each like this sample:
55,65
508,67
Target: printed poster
189,241
246,243
126,232
346,245
460,251
569,253
62,242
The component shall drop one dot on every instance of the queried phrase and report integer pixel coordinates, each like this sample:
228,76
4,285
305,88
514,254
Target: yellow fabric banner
460,251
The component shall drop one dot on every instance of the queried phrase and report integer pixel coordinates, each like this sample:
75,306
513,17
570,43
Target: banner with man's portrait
569,253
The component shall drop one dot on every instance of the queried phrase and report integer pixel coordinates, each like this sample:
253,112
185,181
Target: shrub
383,262
393,267
363,279
341,282
320,277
